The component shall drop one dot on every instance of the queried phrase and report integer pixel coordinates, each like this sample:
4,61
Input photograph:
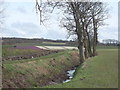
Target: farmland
68,44
49,69
18,51
23,52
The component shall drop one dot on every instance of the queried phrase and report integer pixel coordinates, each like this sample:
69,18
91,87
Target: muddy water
70,74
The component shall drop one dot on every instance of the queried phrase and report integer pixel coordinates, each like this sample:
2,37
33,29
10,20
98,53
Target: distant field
10,50
45,44
56,43
42,44
31,48
13,51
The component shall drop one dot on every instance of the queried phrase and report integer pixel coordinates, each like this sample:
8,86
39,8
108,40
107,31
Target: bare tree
99,13
82,19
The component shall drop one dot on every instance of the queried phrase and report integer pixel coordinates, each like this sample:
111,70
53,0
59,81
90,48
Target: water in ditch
70,74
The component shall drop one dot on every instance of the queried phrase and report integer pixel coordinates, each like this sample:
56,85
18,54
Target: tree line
111,42
80,18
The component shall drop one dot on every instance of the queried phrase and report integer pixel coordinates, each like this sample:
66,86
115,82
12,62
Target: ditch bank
64,76
38,73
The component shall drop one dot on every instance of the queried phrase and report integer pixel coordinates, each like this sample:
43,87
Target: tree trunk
88,41
86,49
81,52
81,43
85,44
89,45
95,37
79,31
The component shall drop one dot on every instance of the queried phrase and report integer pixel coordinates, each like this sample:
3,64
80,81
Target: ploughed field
13,52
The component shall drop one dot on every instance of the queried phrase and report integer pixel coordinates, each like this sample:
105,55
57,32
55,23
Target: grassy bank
39,71
98,72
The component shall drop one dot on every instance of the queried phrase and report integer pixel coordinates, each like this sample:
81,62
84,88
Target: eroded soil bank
39,72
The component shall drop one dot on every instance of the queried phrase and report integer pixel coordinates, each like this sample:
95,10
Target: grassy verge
98,72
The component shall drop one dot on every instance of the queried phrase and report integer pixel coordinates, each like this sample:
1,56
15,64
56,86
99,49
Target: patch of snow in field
56,47
42,47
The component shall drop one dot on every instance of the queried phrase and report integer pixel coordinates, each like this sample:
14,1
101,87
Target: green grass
15,51
98,72
10,50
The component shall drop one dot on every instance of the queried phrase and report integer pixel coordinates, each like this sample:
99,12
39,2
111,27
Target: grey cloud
33,30
26,26
22,9
55,34
24,29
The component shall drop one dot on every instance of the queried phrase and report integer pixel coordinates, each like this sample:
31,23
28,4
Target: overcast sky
21,20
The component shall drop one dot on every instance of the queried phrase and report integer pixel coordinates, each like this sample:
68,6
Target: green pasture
98,72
